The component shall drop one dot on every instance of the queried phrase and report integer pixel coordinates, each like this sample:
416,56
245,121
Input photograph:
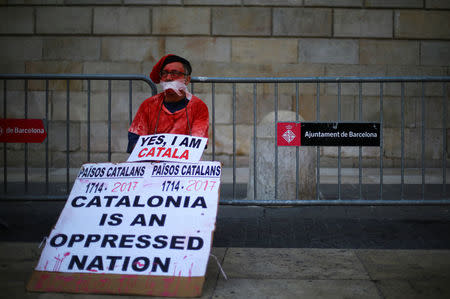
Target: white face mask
177,86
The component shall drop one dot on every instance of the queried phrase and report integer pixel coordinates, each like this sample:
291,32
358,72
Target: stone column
265,164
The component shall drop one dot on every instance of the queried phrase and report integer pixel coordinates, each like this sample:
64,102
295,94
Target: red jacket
147,119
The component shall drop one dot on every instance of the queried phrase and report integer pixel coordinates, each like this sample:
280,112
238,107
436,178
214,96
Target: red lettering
141,153
185,155
151,152
160,149
167,153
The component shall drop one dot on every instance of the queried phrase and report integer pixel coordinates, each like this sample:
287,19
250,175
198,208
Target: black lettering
195,143
74,260
139,219
158,263
109,239
144,241
154,218
195,243
116,219
161,242
200,201
97,262
159,201
112,263
126,239
95,201
137,264
176,203
175,241
54,243
75,238
91,238
77,205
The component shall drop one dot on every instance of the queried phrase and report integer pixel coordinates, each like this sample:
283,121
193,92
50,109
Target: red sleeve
140,123
200,122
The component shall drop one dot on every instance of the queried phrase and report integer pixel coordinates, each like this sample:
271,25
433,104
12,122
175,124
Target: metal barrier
386,193
442,196
47,194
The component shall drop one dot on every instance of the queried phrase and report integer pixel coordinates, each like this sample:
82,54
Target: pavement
279,273
283,252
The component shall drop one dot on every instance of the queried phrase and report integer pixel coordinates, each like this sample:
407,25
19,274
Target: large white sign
168,147
138,219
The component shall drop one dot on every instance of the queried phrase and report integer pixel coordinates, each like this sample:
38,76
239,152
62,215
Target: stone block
329,108
132,49
34,2
422,24
57,135
398,288
11,67
436,4
77,108
337,3
295,288
54,67
16,20
265,103
299,70
223,107
263,51
75,49
392,116
20,49
172,20
95,67
434,110
345,70
320,50
265,165
414,89
93,2
212,2
15,104
362,23
99,137
435,53
302,21
63,20
273,2
413,144
244,21
200,48
293,263
122,20
395,3
224,139
389,52
76,159
154,2
413,265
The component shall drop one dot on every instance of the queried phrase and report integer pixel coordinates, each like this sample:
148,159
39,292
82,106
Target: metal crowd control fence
385,194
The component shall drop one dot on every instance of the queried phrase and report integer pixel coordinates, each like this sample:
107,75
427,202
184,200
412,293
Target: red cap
155,75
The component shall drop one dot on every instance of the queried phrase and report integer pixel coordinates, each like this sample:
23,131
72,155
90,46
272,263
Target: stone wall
231,38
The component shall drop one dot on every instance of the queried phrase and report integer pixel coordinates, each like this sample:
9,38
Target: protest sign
168,147
133,228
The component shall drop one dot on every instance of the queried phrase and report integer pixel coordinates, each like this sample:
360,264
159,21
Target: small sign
340,134
288,134
133,228
328,134
168,147
22,130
